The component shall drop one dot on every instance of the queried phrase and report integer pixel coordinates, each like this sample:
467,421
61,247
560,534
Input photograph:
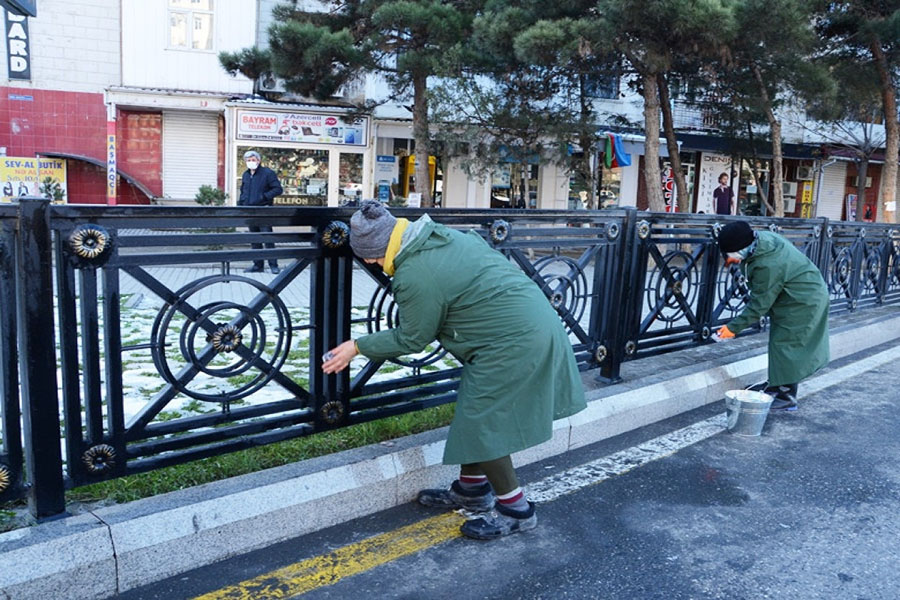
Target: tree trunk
588,151
422,138
652,177
684,202
776,177
862,168
892,129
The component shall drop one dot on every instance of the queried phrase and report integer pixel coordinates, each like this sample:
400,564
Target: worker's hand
340,357
731,260
722,334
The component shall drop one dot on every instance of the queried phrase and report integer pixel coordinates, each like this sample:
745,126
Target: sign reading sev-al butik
301,127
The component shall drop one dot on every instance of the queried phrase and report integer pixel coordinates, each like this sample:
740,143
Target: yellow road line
330,568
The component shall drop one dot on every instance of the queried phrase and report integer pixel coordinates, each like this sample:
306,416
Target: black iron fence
132,338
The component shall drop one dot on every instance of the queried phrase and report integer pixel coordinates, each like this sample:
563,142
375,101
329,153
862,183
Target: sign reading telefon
17,47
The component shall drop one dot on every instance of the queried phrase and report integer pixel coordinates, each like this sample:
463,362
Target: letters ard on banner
17,46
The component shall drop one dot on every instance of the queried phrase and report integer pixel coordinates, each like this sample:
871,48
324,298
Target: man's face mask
732,258
252,164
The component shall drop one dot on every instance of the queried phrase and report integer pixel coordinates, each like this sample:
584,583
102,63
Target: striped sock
471,482
514,500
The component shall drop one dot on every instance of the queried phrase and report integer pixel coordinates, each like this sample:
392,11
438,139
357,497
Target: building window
191,24
602,85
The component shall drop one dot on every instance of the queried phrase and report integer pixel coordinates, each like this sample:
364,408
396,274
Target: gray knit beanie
370,230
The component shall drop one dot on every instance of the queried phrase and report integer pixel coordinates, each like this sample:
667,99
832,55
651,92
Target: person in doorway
723,197
788,287
519,372
259,187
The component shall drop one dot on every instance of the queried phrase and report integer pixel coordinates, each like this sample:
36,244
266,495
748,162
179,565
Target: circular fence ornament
853,303
565,284
830,231
332,412
817,231
705,333
643,229
612,231
90,243
600,353
862,232
226,350
774,228
716,229
383,314
630,347
5,478
99,459
336,235
499,231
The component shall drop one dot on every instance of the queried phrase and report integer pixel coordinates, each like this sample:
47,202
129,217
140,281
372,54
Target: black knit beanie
735,236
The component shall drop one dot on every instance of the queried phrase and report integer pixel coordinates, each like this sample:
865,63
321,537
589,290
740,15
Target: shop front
321,157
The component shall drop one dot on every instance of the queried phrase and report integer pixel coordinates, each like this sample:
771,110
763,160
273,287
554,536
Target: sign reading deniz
301,127
17,47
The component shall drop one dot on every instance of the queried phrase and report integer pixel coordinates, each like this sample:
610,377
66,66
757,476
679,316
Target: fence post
616,331
37,359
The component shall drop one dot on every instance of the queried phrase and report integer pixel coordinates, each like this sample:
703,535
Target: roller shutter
190,152
831,196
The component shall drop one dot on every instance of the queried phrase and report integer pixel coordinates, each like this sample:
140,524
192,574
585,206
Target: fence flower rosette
90,245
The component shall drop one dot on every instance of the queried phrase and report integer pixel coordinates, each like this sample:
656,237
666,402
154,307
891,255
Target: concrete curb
98,554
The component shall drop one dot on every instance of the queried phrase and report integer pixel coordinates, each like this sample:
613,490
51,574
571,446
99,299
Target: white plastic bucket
746,411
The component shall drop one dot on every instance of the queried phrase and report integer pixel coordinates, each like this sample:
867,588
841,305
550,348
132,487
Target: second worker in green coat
519,372
786,286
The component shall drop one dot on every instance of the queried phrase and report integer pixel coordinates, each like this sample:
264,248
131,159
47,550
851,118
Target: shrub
208,195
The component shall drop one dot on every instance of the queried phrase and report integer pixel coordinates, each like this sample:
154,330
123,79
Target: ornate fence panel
680,289
169,348
11,463
860,265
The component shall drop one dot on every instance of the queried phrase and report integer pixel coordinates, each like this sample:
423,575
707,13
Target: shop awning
99,163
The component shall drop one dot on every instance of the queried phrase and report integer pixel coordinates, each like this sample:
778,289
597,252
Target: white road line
572,480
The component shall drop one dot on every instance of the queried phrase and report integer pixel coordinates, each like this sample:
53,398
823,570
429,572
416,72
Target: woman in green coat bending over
518,374
788,287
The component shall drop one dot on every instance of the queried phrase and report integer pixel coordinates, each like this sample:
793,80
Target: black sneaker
254,269
785,397
500,522
480,499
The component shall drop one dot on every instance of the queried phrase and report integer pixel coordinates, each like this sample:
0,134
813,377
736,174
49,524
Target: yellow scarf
394,245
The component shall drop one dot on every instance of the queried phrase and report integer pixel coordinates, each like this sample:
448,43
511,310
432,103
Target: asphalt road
810,510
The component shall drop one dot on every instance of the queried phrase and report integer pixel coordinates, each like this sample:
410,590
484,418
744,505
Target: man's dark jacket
260,188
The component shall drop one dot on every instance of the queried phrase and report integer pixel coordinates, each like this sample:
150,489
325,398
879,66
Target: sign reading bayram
311,128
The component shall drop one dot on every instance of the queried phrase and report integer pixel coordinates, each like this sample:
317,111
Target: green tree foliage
655,36
250,62
866,33
405,41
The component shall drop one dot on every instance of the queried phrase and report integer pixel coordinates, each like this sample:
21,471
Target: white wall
74,46
147,62
830,196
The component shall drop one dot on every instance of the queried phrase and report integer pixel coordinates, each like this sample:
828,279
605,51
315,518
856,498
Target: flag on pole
615,152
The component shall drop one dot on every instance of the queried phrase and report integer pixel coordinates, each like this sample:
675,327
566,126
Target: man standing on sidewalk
259,187
788,287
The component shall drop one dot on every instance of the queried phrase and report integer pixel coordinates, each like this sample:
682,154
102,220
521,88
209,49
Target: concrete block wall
74,46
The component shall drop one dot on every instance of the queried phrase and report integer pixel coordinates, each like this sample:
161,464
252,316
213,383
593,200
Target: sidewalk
117,548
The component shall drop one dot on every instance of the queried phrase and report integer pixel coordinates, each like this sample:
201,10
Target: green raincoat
788,287
519,372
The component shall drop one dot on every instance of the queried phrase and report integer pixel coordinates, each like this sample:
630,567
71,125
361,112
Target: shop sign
112,173
21,176
17,46
670,192
307,128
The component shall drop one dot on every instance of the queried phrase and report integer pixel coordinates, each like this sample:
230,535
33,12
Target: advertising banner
307,128
20,176
711,167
